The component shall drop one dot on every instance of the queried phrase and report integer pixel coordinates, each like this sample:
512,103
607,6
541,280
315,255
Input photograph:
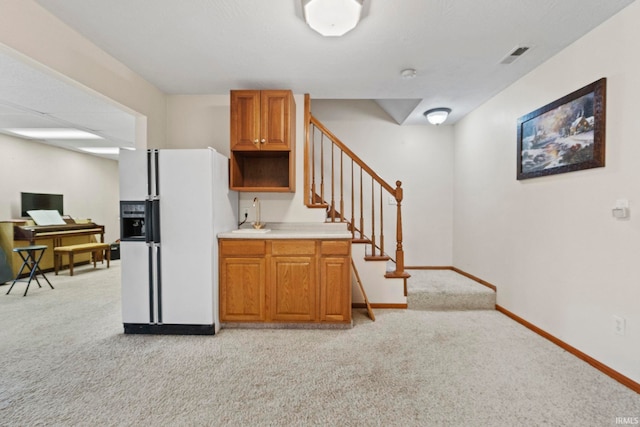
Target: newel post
399,272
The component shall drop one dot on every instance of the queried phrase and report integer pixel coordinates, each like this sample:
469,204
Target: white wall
199,121
419,156
550,245
88,183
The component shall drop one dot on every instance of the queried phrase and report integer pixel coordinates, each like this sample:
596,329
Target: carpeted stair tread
447,290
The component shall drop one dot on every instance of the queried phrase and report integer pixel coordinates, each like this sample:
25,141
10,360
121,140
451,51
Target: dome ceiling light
332,18
437,116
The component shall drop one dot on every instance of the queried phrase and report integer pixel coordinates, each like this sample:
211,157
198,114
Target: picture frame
564,136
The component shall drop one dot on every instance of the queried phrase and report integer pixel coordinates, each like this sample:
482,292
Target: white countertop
291,230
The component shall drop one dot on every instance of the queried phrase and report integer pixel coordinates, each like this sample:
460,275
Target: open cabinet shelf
262,171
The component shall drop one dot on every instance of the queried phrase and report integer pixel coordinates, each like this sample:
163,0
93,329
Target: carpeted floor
65,362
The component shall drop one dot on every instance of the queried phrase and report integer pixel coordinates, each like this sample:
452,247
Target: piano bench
95,249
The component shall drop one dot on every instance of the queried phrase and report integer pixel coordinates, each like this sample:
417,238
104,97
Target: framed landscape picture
564,136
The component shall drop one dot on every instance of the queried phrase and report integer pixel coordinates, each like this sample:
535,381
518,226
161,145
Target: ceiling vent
515,54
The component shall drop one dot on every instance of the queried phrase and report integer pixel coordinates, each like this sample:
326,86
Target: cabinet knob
255,141
262,141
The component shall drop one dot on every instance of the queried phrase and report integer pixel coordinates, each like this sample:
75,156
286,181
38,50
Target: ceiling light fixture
437,116
332,18
53,133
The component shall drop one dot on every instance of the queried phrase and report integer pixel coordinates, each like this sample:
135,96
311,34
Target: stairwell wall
551,245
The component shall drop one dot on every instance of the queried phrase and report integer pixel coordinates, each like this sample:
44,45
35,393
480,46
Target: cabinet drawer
242,247
293,247
335,247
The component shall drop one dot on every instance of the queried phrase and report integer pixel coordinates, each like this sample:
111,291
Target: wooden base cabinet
243,280
293,289
294,281
243,296
334,271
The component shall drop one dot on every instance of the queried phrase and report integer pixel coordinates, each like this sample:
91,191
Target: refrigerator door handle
155,220
148,222
149,173
156,169
151,290
159,282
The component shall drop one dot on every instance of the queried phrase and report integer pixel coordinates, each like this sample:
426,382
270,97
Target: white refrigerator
173,203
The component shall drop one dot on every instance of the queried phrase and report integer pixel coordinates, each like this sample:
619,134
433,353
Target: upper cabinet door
245,120
277,117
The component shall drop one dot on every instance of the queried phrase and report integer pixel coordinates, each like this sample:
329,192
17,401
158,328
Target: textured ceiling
210,47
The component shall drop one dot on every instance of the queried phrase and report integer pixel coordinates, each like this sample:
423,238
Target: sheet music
46,217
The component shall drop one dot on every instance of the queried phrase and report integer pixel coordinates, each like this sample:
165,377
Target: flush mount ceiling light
437,116
332,18
53,133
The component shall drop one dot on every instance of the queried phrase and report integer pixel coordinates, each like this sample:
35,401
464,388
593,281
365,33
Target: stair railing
360,191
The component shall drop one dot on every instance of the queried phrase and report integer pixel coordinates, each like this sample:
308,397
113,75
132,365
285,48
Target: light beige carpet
65,362
447,290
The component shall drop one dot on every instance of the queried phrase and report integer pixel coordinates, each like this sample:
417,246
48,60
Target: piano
31,233
15,233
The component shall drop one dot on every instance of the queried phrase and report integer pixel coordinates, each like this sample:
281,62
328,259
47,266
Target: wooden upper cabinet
263,140
262,120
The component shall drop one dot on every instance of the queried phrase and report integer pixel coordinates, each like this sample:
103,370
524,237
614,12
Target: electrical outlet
618,325
245,212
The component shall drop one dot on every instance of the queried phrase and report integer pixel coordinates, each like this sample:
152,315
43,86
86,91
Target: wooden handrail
315,165
352,155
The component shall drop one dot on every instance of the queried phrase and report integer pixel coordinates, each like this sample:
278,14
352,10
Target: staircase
382,291
338,181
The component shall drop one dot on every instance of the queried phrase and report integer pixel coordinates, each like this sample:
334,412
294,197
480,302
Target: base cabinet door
335,297
242,289
293,289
